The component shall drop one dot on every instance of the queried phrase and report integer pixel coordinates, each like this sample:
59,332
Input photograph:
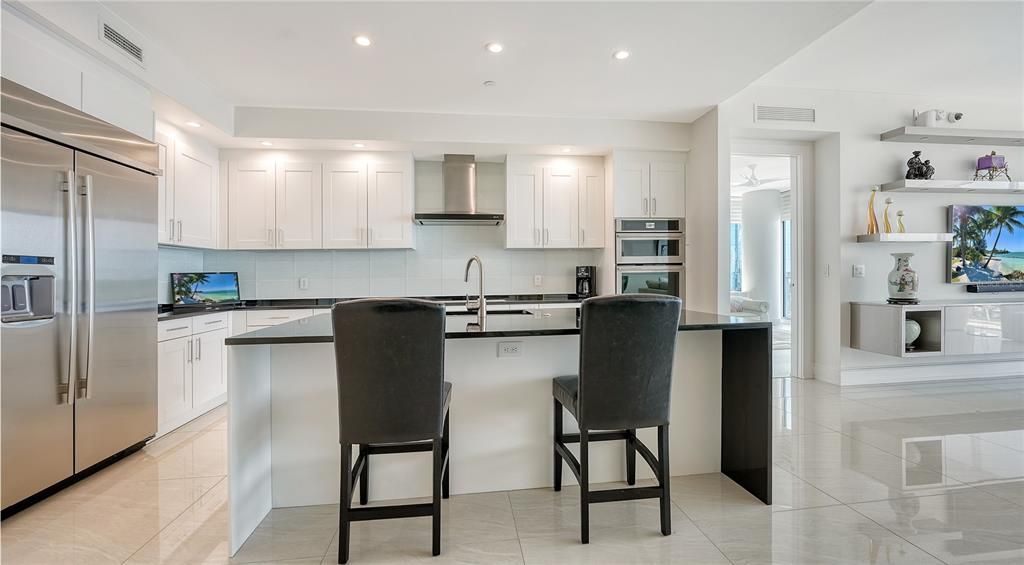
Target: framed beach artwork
988,244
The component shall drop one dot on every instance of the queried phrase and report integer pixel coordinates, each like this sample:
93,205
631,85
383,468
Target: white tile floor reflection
929,473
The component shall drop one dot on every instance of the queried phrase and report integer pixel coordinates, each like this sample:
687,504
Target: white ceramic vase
911,331
903,281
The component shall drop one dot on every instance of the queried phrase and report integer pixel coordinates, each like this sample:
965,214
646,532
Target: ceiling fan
751,179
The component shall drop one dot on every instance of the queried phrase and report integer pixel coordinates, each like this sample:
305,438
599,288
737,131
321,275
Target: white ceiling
926,48
430,57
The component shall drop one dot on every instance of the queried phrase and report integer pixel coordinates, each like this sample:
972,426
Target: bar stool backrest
627,343
389,354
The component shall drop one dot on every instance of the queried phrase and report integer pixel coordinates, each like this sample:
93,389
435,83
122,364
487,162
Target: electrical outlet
510,349
538,281
303,283
858,271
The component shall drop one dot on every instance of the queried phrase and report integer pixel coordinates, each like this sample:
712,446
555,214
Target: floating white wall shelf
955,186
958,136
904,238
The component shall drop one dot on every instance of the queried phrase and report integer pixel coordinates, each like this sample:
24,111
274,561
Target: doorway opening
764,243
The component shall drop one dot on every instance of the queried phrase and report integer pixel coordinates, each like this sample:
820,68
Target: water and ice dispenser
26,295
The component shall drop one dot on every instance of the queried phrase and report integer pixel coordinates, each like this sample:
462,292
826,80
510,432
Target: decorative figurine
872,219
931,118
885,216
917,170
991,167
900,228
903,281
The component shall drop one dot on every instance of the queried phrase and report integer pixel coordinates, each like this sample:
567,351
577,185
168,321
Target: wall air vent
120,42
783,114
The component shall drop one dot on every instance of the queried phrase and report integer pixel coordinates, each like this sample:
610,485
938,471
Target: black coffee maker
586,282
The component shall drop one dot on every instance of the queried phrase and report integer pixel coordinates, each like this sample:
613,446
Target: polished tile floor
929,473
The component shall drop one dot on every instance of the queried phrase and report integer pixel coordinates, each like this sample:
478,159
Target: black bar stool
627,343
392,398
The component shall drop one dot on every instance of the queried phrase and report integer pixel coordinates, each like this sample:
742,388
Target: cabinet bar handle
199,348
645,206
654,206
178,329
280,237
179,230
170,221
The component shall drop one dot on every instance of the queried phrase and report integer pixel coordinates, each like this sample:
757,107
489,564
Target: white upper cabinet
164,183
649,186
365,201
561,208
524,209
299,205
592,217
251,205
554,202
195,197
389,203
632,189
344,205
668,182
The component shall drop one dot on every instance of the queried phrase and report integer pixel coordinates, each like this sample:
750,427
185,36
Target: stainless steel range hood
458,181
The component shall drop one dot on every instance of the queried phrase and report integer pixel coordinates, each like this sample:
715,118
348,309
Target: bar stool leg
346,498
631,458
445,444
436,520
364,475
584,488
558,439
665,476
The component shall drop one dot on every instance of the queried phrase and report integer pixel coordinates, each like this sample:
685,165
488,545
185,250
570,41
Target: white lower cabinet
258,319
191,379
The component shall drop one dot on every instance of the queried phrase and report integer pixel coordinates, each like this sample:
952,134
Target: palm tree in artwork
1009,218
966,226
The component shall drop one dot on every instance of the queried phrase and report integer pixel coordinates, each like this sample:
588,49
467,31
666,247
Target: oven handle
673,268
650,235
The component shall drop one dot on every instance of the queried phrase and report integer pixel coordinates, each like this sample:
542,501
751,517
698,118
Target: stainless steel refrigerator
79,274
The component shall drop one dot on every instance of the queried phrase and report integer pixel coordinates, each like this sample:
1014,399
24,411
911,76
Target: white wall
435,267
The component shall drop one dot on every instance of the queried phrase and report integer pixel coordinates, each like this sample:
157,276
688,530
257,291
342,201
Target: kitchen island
283,411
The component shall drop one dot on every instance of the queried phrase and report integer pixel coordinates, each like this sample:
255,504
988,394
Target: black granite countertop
317,329
167,312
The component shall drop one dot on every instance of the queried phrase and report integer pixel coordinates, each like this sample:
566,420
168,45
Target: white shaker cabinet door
299,205
208,380
592,221
389,203
195,197
561,208
632,189
251,203
668,183
165,228
344,205
524,207
174,379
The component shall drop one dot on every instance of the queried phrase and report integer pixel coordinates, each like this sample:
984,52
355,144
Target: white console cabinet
947,328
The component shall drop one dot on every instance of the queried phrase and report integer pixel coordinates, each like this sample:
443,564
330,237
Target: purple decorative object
992,161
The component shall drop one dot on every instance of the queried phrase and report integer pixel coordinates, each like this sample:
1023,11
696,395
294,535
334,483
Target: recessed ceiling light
566,149
489,83
358,145
495,47
362,40
620,55
266,143
194,124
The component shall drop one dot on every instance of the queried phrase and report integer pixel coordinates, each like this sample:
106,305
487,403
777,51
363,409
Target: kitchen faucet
481,302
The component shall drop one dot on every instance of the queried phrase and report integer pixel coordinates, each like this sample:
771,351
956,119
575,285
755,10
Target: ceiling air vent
783,114
120,42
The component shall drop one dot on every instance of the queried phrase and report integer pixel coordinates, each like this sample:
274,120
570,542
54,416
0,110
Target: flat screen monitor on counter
204,289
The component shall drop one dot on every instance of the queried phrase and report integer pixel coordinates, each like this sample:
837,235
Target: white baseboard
933,372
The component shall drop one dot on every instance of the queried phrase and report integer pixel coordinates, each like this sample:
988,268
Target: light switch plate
510,349
858,271
303,283
538,281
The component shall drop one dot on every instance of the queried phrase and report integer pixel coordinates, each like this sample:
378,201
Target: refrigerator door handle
90,270
66,389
